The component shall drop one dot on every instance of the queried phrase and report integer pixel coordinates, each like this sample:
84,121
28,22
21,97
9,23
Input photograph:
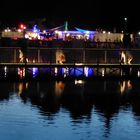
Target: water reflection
59,88
79,97
125,86
99,101
42,95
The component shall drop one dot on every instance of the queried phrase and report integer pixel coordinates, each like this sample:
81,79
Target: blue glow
79,32
85,31
46,70
35,29
35,72
76,72
65,72
90,72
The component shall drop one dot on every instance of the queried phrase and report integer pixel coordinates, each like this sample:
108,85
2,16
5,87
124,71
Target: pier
79,62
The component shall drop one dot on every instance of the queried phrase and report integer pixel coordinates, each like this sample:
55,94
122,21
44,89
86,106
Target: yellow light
8,30
56,32
86,71
67,35
79,36
19,30
103,72
44,31
78,82
78,64
125,19
59,88
26,36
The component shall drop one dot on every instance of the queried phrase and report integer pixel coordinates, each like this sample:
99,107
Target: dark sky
87,14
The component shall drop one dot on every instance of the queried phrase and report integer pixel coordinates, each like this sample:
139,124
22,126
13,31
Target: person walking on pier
21,57
60,57
129,57
126,57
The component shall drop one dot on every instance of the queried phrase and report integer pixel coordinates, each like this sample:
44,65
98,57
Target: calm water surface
70,110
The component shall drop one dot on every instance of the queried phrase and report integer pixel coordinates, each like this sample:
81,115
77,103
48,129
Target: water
72,110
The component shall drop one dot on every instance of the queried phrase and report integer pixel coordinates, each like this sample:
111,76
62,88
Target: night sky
87,14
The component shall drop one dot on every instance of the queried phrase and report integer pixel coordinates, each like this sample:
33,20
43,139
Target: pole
105,59
125,25
38,54
15,56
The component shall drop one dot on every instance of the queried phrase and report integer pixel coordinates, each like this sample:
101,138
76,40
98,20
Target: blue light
35,29
35,72
90,72
85,31
78,72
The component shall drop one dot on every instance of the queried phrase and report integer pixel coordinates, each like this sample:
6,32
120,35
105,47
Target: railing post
15,56
105,57
38,55
84,55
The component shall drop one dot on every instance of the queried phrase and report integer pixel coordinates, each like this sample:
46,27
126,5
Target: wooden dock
76,65
80,62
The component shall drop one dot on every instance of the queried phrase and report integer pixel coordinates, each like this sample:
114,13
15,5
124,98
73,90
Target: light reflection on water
36,72
63,72
97,109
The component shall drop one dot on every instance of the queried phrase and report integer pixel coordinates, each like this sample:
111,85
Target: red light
22,26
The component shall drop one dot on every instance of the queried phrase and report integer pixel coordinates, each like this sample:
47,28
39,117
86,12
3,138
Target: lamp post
125,25
126,36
